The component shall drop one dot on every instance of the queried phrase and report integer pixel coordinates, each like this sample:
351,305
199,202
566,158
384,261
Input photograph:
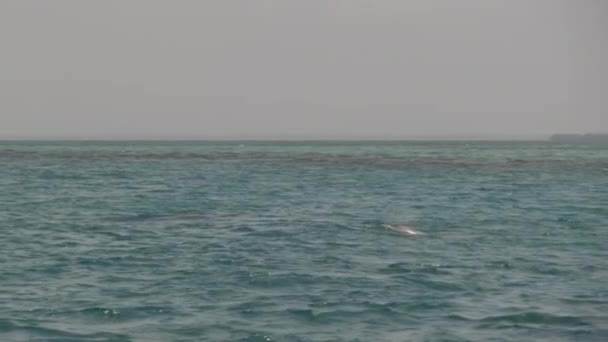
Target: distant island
580,138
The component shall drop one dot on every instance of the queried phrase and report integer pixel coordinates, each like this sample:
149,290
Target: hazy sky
361,68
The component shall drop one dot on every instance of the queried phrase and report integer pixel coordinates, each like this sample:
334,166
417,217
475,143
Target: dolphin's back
403,229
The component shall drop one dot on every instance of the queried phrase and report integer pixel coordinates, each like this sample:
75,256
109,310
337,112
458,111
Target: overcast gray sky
259,69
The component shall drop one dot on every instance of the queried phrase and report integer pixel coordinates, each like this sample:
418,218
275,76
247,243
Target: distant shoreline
588,138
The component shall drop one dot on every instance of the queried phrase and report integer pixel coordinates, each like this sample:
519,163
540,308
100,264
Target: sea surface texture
278,241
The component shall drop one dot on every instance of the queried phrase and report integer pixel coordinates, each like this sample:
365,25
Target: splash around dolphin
403,229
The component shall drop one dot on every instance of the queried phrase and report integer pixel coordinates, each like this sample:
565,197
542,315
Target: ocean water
278,241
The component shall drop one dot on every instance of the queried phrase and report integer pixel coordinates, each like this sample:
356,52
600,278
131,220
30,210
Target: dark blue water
194,241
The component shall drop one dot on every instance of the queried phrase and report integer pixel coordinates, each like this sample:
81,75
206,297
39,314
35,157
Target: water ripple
279,241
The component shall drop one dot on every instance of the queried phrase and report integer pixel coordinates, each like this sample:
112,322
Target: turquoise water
202,241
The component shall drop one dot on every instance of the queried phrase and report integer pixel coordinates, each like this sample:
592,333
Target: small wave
532,317
338,315
524,318
13,330
9,152
403,267
266,279
257,337
118,314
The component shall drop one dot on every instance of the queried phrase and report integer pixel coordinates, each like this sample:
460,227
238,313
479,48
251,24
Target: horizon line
287,138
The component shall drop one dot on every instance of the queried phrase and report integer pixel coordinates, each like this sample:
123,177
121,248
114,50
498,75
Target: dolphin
403,229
